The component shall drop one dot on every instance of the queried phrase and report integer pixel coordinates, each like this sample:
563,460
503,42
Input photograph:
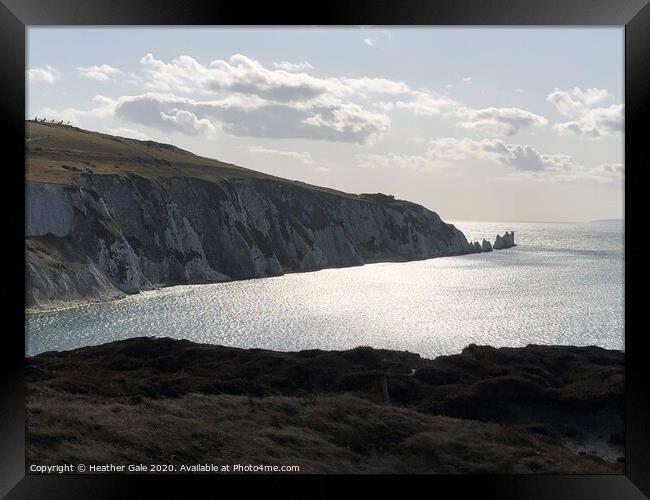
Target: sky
492,124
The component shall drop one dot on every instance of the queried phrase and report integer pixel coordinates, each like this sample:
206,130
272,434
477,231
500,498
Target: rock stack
505,241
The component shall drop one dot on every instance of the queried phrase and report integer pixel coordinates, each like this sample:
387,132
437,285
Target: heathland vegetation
537,409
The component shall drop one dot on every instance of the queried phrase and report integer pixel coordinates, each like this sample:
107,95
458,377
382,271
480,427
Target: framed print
383,239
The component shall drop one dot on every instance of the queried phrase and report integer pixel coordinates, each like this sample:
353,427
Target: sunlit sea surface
562,284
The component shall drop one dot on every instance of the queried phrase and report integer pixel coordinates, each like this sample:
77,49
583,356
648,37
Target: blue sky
474,123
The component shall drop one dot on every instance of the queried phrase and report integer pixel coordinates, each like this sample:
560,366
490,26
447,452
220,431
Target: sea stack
486,246
505,241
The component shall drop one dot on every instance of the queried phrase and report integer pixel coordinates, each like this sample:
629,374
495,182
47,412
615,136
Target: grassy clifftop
524,410
55,153
58,154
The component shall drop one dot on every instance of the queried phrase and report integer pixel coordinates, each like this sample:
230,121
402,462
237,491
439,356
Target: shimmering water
562,284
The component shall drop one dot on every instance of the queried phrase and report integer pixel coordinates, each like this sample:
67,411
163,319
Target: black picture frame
16,15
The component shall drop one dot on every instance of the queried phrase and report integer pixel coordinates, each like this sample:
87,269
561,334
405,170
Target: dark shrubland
522,410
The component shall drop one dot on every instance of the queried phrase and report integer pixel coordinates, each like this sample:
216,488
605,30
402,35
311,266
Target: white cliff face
50,211
505,241
112,235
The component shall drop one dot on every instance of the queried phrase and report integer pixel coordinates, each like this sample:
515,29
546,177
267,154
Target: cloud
586,121
244,75
463,82
366,87
452,149
420,163
426,104
289,66
574,103
101,73
302,157
490,121
324,119
447,152
594,123
241,97
524,160
187,122
498,121
103,107
527,158
239,74
517,156
246,99
45,74
370,42
604,174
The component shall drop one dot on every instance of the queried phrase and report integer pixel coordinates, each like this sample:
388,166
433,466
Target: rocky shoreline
535,409
52,305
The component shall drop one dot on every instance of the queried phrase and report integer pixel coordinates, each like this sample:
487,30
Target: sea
562,284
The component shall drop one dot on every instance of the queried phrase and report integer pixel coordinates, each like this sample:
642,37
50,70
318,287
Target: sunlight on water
562,284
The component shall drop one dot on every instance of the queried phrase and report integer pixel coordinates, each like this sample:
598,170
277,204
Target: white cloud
424,103
45,74
365,87
101,73
239,74
446,151
370,42
289,66
606,174
524,160
490,121
244,75
242,97
323,119
586,121
452,149
303,157
517,156
187,122
103,107
247,99
463,82
574,103
498,121
420,163
594,123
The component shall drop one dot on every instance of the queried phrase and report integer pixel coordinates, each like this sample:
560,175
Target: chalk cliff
109,216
